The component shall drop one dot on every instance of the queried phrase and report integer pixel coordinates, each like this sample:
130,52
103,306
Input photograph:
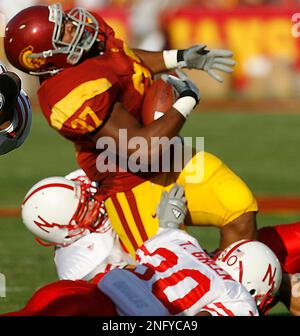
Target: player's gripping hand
172,208
187,92
198,57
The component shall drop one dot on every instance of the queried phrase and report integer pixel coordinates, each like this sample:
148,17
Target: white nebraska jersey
16,133
176,277
94,253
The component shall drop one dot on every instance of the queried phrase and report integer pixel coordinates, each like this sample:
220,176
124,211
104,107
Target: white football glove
198,57
172,208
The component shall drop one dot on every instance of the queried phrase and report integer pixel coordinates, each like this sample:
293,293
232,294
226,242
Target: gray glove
198,57
172,209
182,85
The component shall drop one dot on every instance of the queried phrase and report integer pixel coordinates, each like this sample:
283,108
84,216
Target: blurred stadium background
251,121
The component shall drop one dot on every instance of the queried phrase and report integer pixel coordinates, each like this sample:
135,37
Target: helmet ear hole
252,292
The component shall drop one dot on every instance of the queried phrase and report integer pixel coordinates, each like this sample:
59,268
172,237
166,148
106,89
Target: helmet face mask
84,36
264,303
88,213
253,264
38,34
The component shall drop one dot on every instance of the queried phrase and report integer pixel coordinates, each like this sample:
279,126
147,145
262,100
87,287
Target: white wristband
185,105
170,58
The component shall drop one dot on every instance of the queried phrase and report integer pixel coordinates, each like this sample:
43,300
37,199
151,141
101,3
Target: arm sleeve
83,111
232,308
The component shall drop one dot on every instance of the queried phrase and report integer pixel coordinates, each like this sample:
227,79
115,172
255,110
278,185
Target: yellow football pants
215,198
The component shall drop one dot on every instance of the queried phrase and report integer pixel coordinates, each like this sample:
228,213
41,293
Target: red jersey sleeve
79,99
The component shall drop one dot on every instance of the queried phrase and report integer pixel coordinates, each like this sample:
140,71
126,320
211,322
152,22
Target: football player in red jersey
93,86
284,241
15,111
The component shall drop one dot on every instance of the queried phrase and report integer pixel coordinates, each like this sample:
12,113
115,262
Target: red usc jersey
79,99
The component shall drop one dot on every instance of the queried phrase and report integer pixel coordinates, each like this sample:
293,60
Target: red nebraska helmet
33,38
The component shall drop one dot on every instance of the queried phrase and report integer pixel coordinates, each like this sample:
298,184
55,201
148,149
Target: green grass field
261,148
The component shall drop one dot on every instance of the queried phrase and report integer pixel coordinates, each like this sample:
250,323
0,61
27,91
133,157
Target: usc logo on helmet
30,63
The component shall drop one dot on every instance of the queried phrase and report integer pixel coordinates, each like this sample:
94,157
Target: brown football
159,98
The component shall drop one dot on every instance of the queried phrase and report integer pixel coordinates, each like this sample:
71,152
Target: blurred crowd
144,23
9,7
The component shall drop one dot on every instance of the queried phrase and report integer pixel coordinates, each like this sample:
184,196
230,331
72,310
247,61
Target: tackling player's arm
203,313
196,57
168,125
240,228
